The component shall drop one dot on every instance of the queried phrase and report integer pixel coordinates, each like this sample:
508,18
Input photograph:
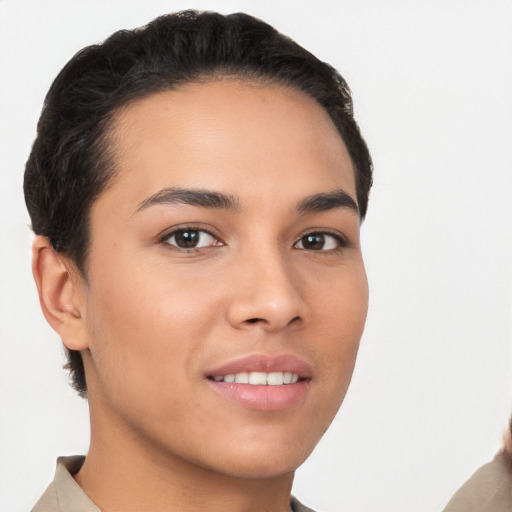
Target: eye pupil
313,241
186,239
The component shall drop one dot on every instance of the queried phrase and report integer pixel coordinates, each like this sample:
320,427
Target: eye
320,242
189,238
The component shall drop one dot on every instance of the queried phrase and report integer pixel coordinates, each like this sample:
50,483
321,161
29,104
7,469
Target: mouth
262,382
259,378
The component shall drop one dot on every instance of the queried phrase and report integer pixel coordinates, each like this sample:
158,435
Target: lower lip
262,398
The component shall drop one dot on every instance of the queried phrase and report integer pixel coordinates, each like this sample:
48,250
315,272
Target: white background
432,82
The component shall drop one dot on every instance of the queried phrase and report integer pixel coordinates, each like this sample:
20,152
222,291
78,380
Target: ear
61,291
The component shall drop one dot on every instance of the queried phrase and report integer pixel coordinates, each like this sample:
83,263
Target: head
136,98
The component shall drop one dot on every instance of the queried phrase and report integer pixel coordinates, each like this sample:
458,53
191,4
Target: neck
123,472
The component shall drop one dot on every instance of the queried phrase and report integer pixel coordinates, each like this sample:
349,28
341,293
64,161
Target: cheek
148,301
340,323
341,305
147,325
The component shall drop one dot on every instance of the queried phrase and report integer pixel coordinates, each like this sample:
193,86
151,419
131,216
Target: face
226,291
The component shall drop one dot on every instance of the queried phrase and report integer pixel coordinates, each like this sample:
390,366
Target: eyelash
339,240
190,229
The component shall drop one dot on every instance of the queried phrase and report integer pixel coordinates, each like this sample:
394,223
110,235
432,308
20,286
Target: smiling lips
262,382
259,378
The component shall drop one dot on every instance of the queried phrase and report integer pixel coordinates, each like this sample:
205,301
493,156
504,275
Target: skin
153,319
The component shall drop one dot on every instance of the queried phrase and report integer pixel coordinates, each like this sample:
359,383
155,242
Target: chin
265,461
262,469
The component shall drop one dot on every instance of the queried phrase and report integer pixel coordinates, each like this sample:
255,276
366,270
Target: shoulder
48,502
488,490
64,494
297,506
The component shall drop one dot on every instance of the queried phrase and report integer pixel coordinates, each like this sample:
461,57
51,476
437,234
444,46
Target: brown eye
191,239
319,242
313,242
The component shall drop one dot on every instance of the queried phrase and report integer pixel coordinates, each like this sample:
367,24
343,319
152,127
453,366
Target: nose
267,294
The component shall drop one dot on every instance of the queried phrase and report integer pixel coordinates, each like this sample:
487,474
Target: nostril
257,320
254,320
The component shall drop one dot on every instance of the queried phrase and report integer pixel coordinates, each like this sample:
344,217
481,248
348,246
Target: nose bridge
268,293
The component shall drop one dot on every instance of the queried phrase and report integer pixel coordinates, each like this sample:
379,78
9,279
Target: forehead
228,134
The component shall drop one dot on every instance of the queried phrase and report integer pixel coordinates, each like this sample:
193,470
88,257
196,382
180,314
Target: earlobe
60,289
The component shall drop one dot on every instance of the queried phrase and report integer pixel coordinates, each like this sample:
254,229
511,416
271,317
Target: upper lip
265,363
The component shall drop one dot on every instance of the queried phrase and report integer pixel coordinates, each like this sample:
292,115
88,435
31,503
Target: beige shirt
488,490
65,495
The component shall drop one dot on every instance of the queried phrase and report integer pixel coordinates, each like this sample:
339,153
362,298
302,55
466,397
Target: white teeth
242,378
259,378
275,379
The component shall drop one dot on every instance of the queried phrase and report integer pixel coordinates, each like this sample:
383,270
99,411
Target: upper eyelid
340,244
167,233
324,231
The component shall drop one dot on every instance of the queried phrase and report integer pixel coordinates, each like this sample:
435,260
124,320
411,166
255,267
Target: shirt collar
70,495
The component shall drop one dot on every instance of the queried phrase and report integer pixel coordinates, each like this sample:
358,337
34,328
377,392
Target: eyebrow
327,201
193,197
315,203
